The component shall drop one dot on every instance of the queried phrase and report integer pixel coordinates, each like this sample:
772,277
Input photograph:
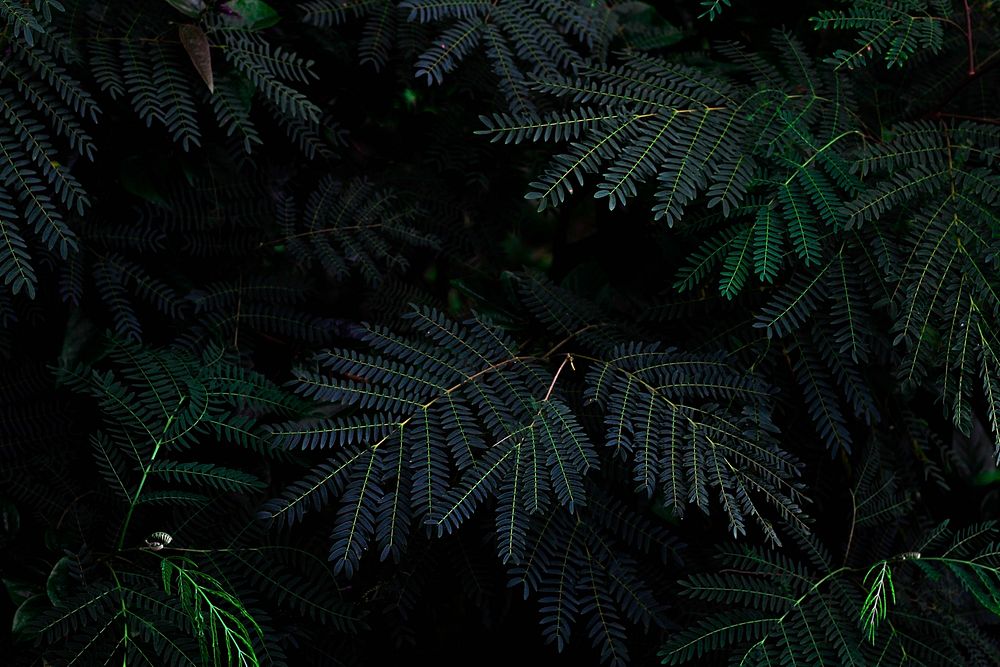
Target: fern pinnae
958,402
704,259
606,629
510,532
848,376
916,337
512,81
736,266
458,505
36,144
801,231
552,126
683,185
454,43
767,244
350,538
990,372
930,226
393,515
200,595
817,387
904,187
632,166
793,303
232,114
554,187
16,263
254,59
847,316
43,62
560,605
535,39
315,489
730,182
205,474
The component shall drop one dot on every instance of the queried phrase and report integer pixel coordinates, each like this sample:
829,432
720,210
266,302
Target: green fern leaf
736,266
768,240
21,20
15,262
206,474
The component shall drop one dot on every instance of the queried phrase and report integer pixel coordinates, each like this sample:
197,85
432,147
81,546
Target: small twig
850,535
568,338
567,360
239,308
978,119
968,38
317,232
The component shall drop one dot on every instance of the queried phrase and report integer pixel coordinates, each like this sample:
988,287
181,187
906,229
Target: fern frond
33,137
231,103
791,305
353,224
206,474
520,37
688,448
821,401
896,33
268,69
15,262
221,622
453,44
43,61
21,20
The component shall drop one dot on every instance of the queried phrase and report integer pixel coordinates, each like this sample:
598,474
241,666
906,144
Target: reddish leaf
195,42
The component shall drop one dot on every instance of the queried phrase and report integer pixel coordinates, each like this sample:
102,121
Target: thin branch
968,38
854,516
978,119
569,360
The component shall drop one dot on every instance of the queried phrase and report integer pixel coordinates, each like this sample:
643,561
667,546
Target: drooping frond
38,96
519,38
946,291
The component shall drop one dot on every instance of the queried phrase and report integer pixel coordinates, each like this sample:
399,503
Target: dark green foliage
895,33
351,225
284,390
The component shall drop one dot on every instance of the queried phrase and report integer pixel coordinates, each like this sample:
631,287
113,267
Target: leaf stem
145,475
567,360
968,38
820,150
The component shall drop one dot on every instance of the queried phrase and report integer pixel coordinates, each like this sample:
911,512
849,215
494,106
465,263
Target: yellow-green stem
145,475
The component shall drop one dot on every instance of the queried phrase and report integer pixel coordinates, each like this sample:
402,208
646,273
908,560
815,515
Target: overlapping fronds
770,156
41,102
777,609
131,59
944,183
893,31
520,38
352,227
